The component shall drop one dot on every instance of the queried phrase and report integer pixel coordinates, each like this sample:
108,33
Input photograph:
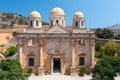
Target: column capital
40,71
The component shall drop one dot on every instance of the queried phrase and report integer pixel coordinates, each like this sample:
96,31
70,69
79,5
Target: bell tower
78,20
35,20
57,16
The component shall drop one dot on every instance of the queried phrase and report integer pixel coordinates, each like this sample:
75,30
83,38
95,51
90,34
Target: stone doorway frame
57,55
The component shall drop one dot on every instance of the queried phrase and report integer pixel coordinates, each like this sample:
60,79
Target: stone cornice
54,35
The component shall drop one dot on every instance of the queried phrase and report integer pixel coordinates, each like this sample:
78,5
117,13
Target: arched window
31,24
36,23
57,21
51,22
81,23
76,24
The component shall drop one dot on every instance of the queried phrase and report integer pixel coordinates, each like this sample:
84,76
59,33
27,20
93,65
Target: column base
72,71
40,71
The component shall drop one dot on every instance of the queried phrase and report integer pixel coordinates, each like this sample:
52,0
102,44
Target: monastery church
56,47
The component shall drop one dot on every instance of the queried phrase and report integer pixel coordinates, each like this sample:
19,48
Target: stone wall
5,37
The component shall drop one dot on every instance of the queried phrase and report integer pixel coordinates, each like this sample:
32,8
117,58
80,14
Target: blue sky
98,13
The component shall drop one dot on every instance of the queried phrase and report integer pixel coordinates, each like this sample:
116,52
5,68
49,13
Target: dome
35,14
57,12
79,14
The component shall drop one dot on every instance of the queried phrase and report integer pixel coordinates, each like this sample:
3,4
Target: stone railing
54,35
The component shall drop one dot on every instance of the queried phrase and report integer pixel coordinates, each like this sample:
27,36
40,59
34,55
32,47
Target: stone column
18,45
62,65
38,52
72,68
93,52
51,65
21,55
18,51
79,23
25,53
41,68
73,51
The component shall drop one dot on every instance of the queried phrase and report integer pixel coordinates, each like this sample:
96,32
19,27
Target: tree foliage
10,70
107,68
104,33
117,36
10,51
98,45
111,48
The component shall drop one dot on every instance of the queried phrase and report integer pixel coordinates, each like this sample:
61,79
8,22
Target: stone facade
45,49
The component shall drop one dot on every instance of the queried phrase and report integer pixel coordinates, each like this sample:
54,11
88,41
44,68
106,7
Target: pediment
55,51
57,29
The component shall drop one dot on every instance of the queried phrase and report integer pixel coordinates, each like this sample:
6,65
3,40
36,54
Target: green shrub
98,54
82,70
10,51
107,68
11,70
29,70
67,71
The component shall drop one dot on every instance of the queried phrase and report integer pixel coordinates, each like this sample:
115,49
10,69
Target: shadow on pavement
94,79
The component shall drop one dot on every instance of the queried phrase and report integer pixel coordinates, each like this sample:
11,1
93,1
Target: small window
51,22
81,61
7,38
31,61
57,21
36,23
76,24
81,23
80,42
31,24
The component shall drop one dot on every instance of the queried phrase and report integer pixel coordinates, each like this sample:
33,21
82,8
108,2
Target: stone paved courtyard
63,77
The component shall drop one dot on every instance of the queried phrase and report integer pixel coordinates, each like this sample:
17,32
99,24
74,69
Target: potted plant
46,72
29,71
88,71
82,71
67,72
